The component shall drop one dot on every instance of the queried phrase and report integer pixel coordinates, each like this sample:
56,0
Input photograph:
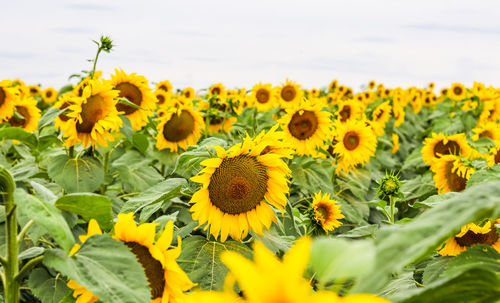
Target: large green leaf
477,256
484,175
88,205
104,266
402,244
76,175
135,171
49,116
200,259
47,288
17,133
46,216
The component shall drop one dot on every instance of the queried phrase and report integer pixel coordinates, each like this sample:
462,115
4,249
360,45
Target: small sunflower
306,127
28,114
381,114
235,188
326,212
469,235
189,93
416,102
493,156
457,92
162,97
398,112
164,85
439,145
179,128
395,143
62,103
34,90
372,84
135,88
78,89
93,116
49,95
289,94
8,98
348,110
218,124
487,130
491,111
263,97
356,144
217,89
450,174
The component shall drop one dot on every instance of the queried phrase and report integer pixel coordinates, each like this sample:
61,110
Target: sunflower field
117,189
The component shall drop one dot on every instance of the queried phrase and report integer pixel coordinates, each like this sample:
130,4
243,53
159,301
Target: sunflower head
395,143
263,97
457,92
164,85
188,93
451,174
439,145
326,212
8,98
217,89
469,235
34,90
179,127
26,114
389,187
372,84
49,95
290,94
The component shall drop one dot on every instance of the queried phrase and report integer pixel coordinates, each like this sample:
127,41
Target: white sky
200,42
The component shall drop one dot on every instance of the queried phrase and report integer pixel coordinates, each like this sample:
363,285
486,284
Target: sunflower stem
392,201
207,118
92,72
71,152
27,267
254,121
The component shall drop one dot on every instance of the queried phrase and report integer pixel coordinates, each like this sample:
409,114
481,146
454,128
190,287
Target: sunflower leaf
88,205
105,267
47,288
83,174
17,133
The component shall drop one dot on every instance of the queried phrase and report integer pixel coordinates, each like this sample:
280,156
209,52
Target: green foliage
88,205
83,174
47,288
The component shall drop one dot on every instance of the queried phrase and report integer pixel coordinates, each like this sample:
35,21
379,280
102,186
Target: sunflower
93,116
179,128
167,281
450,174
62,103
439,145
135,88
235,188
263,97
348,110
333,85
289,94
469,235
49,95
34,90
430,99
188,93
270,280
164,85
395,143
306,127
326,212
217,89
489,130
78,89
381,114
372,84
416,102
274,142
493,156
457,92
28,114
218,124
8,98
491,111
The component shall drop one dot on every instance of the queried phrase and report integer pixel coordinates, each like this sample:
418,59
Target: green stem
106,170
27,267
71,152
254,122
392,201
11,269
95,63
24,230
207,118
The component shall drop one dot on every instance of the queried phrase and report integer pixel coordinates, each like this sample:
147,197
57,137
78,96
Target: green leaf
360,232
200,259
124,100
402,244
436,199
135,171
105,267
484,175
76,175
140,142
341,259
434,269
46,216
477,256
31,253
17,133
49,116
47,288
88,205
310,175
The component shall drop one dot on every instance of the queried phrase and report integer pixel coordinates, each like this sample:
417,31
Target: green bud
389,186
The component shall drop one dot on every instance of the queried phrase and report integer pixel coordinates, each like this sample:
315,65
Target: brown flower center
164,87
262,95
2,96
63,116
92,112
152,268
351,140
215,91
48,94
161,99
34,90
238,185
187,94
471,238
345,113
179,127
132,93
288,93
20,122
455,182
457,90
450,148
303,126
486,134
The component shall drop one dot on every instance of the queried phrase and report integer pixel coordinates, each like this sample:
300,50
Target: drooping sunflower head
307,127
27,116
356,143
457,92
49,95
264,97
217,89
92,117
416,101
8,98
326,212
135,88
472,234
451,174
290,94
189,93
399,113
164,85
439,145
179,128
237,188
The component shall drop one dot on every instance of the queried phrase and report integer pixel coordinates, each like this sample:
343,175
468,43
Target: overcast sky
200,42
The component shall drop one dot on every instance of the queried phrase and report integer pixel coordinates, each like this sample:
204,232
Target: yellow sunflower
62,103
395,143
450,174
274,142
457,92
34,90
8,98
307,127
348,110
162,96
398,112
333,85
356,143
326,212
493,156
263,97
381,114
179,128
491,111
93,116
167,281
189,93
218,124
164,85
78,89
372,84
217,89
469,235
289,94
235,188
28,114
416,102
135,88
489,130
439,145
49,95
